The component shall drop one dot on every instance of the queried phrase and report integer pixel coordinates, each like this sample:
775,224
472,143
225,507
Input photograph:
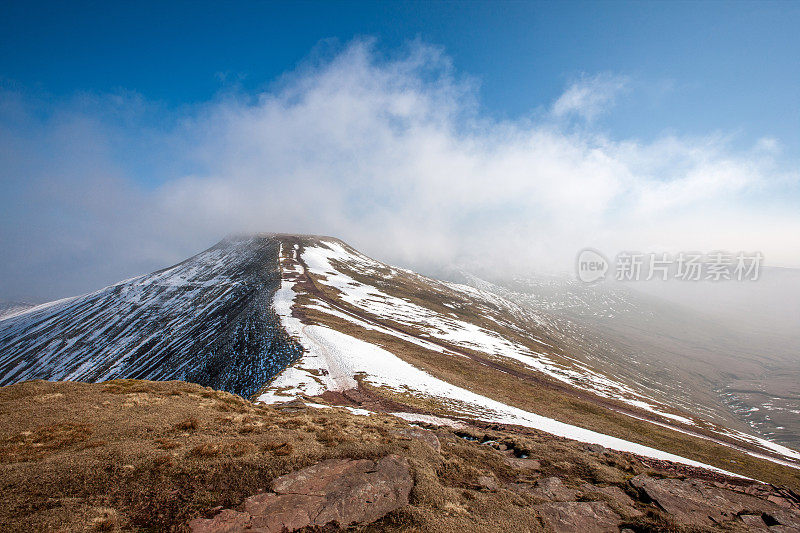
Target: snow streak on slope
334,359
398,303
380,304
318,370
206,320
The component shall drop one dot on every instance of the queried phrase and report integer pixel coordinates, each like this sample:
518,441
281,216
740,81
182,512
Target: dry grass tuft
167,444
240,448
190,424
279,449
108,520
205,450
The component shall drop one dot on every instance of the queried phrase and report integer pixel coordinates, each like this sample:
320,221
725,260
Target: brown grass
206,450
190,424
142,476
538,398
166,444
278,449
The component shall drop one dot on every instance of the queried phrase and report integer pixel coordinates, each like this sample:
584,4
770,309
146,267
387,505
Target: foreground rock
578,517
152,456
552,488
337,491
696,502
615,496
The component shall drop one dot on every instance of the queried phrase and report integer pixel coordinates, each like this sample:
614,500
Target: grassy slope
570,409
138,455
535,394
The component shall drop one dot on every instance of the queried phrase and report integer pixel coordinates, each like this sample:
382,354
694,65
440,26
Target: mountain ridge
283,316
217,303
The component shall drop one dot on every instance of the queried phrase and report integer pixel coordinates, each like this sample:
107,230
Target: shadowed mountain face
208,320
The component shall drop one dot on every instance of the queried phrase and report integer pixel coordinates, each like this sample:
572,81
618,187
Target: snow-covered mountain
277,317
208,320
8,308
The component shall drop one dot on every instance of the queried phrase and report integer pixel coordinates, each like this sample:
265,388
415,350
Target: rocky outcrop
578,517
552,488
697,502
227,521
423,435
337,491
346,492
613,495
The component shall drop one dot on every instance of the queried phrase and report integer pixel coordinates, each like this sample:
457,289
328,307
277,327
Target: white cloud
590,96
391,155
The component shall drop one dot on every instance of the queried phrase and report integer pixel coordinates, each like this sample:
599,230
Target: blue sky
133,134
696,66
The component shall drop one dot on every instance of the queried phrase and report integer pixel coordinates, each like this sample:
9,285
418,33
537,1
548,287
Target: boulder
695,502
487,483
595,448
754,522
614,495
227,521
421,434
518,463
578,517
783,518
337,491
552,488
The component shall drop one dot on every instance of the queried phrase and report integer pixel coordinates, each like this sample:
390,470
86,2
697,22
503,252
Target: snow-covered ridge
177,323
9,309
325,262
210,320
333,360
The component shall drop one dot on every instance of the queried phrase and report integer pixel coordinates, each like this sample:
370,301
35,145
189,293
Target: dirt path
338,377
